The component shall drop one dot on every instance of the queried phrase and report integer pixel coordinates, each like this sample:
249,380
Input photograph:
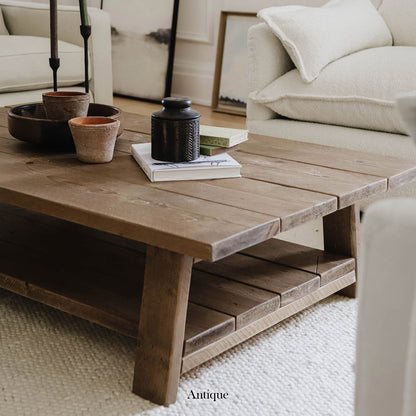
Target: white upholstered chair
24,52
386,344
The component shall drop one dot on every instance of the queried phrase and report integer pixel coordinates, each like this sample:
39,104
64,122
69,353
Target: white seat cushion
358,90
24,63
400,16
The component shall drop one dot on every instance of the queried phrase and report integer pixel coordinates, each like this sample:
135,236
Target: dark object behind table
175,131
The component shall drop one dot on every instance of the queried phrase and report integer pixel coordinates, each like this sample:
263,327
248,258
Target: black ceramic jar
175,131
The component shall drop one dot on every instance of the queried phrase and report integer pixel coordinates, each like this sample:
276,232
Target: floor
208,116
54,364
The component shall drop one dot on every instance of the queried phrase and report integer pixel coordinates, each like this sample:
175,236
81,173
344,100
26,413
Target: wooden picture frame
232,63
143,46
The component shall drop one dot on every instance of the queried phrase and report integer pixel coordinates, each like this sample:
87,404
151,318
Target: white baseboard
193,81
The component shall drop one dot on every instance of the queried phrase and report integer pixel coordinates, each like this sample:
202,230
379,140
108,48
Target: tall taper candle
84,12
54,28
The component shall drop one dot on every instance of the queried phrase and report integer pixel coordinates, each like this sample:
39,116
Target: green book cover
222,136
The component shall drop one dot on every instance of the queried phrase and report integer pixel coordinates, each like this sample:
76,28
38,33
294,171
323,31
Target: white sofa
269,61
25,52
386,343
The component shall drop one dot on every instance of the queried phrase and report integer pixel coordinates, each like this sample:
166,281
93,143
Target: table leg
341,230
162,325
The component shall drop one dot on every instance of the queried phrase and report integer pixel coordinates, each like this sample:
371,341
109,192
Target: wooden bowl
28,122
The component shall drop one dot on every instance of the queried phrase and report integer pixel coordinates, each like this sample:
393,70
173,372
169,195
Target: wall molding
203,14
193,80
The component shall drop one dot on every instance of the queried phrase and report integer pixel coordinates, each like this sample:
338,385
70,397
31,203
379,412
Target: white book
205,167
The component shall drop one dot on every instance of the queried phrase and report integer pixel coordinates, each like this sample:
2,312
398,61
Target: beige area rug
53,364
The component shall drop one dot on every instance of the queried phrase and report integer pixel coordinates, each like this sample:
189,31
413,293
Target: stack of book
213,163
216,140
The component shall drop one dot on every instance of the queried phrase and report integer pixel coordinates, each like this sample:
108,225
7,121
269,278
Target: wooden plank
341,236
162,325
3,117
348,187
68,302
293,206
137,123
30,224
329,266
244,302
103,285
197,358
71,270
289,283
205,326
116,198
124,142
398,171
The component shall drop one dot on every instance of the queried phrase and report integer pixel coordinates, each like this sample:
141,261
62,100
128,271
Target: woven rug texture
53,364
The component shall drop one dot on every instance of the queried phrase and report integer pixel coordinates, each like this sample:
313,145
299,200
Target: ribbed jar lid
176,108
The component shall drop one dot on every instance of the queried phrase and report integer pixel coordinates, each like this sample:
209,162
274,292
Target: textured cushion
316,36
3,28
400,16
24,63
351,91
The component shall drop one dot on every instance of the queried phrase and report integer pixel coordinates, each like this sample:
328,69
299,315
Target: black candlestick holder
54,64
86,33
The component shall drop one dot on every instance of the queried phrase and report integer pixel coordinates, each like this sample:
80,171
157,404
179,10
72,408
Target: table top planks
398,171
284,184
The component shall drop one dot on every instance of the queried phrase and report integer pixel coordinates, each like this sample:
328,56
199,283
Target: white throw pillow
400,16
315,36
358,90
24,63
3,28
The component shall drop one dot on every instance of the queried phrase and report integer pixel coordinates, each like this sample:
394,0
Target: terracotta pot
28,122
94,138
64,105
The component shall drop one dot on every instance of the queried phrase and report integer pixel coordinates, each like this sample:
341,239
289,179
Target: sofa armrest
32,19
386,343
267,60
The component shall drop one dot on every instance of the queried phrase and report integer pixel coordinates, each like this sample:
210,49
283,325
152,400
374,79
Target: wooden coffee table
103,243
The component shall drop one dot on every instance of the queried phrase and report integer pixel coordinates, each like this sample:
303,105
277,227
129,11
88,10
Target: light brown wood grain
328,266
138,123
71,269
348,187
245,303
205,326
397,170
103,284
116,198
193,360
341,236
162,325
293,206
290,284
124,142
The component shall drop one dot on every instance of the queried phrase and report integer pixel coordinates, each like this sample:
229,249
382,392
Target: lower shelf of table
99,277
